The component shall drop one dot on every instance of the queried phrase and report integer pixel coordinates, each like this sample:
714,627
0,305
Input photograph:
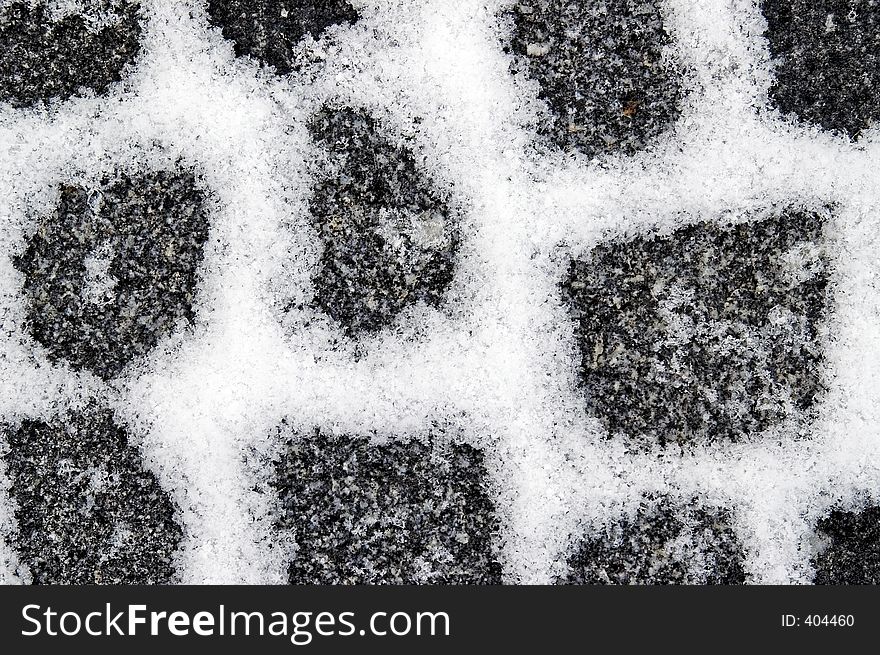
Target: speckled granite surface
711,334
110,272
723,321
389,238
661,544
87,511
602,68
402,513
829,61
50,58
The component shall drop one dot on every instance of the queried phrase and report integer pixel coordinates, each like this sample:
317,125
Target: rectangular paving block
711,333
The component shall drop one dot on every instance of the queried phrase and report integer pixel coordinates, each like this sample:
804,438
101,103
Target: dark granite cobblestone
851,551
662,544
87,511
600,69
827,57
269,30
389,236
396,513
44,58
711,333
112,270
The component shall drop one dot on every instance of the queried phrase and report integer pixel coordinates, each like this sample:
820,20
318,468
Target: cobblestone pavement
417,292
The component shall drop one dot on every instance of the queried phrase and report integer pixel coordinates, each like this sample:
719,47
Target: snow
497,362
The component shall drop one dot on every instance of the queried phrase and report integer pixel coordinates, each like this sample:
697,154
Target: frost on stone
662,544
850,554
601,69
113,269
393,513
46,54
86,510
269,30
708,334
389,237
827,60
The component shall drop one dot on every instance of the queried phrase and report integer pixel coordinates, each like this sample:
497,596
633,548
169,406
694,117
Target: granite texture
851,551
113,269
388,234
708,334
601,70
704,336
269,30
87,511
396,513
662,544
48,57
827,58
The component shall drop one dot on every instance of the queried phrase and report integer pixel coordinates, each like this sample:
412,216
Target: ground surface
240,373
